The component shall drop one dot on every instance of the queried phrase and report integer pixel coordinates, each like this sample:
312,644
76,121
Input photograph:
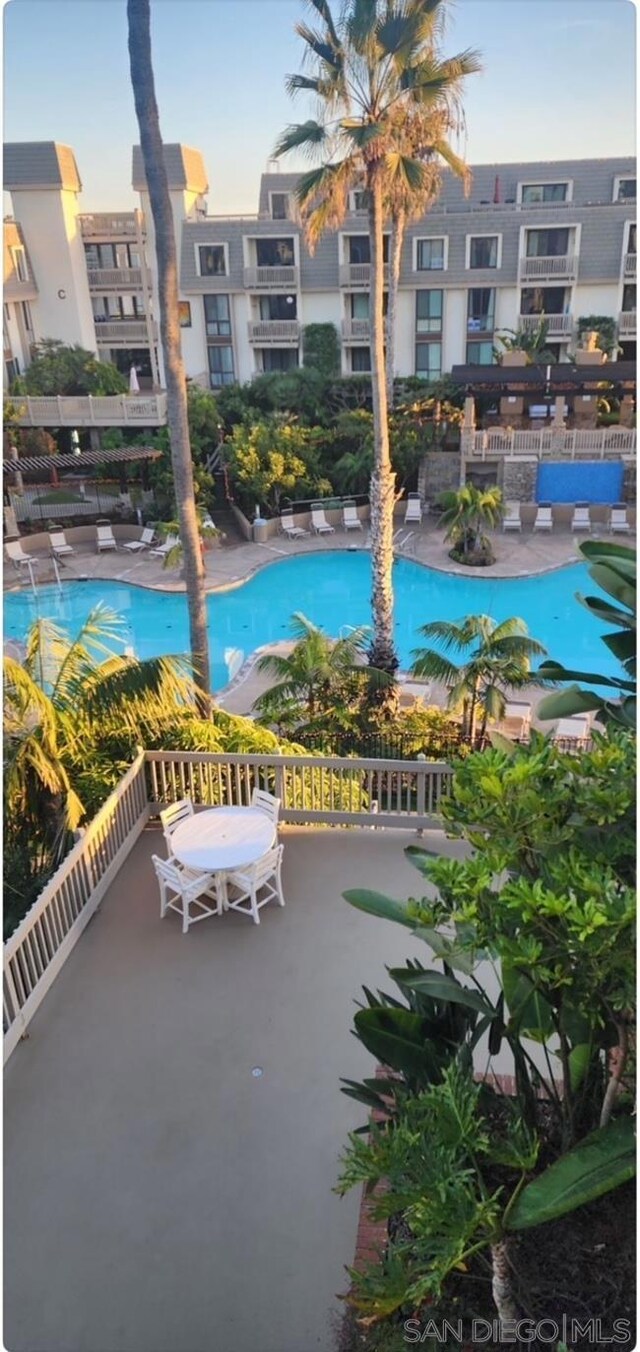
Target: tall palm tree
466,511
365,65
139,19
497,658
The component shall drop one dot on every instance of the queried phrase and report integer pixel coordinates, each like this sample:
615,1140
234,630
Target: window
279,206
279,358
547,243
429,360
483,251
479,354
628,298
360,201
278,307
216,316
184,314
12,368
213,260
631,242
359,304
481,307
274,253
544,192
20,264
26,316
221,365
548,300
360,359
428,311
624,190
430,255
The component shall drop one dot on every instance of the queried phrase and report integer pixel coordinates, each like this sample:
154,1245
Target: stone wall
439,471
518,478
629,482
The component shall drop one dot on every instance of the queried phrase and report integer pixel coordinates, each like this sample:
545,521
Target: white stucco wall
52,233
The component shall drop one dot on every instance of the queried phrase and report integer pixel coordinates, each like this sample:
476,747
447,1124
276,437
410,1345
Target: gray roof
184,166
40,164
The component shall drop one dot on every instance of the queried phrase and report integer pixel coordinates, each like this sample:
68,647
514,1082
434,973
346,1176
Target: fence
78,497
598,441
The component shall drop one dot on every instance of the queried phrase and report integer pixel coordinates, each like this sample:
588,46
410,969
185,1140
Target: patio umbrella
134,387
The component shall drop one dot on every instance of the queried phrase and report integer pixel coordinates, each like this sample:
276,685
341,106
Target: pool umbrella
134,387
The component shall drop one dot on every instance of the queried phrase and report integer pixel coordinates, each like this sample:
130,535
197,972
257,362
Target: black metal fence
395,746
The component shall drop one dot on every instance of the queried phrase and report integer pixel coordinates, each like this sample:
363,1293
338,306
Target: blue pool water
332,589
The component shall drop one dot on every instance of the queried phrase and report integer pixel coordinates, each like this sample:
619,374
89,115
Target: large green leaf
375,903
529,1012
396,1037
441,987
600,1163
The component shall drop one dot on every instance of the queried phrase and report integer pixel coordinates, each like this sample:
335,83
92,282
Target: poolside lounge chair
414,509
618,525
350,518
58,542
165,548
288,527
581,519
574,729
512,519
147,538
105,538
16,554
319,521
544,518
516,720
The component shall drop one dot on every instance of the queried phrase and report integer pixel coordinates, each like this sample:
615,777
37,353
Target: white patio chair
165,548
59,544
16,554
263,876
350,518
266,803
544,517
187,891
414,509
171,816
147,538
288,527
105,538
581,519
516,720
319,522
618,524
575,729
512,519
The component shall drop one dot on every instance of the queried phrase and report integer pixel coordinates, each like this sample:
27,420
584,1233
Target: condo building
553,238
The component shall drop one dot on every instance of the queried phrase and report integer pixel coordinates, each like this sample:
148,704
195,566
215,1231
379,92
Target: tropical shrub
321,349
59,369
271,460
466,512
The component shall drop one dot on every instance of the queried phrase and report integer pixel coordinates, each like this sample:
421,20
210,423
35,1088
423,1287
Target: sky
558,82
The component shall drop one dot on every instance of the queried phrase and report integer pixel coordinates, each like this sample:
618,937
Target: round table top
222,838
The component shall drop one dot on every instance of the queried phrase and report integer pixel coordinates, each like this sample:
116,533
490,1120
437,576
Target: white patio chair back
263,876
319,521
59,544
288,526
182,891
165,548
147,538
414,509
16,553
512,519
267,804
544,517
619,524
350,518
171,816
581,519
105,538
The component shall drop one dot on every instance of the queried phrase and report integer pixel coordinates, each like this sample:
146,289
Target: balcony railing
541,269
627,322
630,264
558,326
114,279
597,441
274,278
125,332
106,224
279,332
359,274
112,410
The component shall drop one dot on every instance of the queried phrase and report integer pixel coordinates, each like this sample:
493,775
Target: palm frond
323,8
361,24
308,137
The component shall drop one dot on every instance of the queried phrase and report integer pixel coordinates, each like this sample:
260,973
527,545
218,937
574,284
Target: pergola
562,378
37,464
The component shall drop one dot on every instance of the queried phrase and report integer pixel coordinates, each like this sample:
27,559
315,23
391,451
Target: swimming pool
332,589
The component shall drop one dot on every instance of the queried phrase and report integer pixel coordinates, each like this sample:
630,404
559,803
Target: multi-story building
554,238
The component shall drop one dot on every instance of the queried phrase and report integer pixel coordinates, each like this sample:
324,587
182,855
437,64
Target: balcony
125,332
357,276
558,326
275,332
627,324
114,279
106,225
565,266
279,278
629,266
113,410
596,442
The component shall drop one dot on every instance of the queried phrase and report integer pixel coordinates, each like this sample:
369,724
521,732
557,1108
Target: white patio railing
86,410
600,442
315,790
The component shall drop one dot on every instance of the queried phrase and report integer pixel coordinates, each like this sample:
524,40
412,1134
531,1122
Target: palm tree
533,342
465,513
374,59
497,659
319,676
138,13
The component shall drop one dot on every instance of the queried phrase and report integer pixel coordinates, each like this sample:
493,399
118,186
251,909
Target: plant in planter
208,533
531,342
466,512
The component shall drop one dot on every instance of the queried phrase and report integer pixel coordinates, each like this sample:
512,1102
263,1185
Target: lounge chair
414,509
16,554
544,517
147,538
165,548
288,527
574,729
618,524
59,545
581,519
350,518
319,521
516,720
512,519
413,693
105,538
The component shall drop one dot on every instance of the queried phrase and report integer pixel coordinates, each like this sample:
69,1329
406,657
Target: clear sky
559,81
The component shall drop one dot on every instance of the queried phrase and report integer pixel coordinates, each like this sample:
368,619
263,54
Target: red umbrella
496,189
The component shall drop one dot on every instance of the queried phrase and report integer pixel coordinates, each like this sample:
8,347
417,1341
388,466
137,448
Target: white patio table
222,838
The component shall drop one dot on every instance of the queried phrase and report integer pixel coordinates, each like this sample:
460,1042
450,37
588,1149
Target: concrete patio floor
160,1197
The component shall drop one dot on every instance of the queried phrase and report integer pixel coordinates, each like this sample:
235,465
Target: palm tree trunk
501,1288
138,13
382,652
397,239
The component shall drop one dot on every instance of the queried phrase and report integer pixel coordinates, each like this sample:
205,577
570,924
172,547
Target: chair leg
163,900
279,886
254,906
185,914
